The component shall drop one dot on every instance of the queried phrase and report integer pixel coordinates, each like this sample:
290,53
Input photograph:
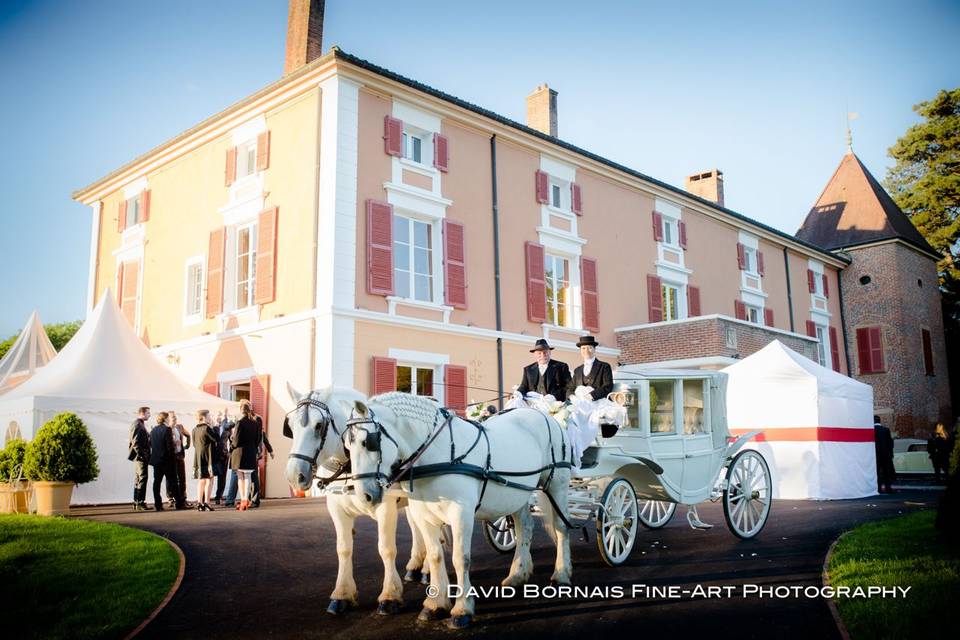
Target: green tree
59,334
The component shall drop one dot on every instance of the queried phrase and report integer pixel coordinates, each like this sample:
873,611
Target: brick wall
703,337
906,399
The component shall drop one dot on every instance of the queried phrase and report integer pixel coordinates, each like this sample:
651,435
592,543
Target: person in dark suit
221,455
163,460
140,456
593,372
243,459
545,376
181,442
883,446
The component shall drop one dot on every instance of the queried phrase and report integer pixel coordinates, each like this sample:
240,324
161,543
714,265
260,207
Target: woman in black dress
204,444
245,441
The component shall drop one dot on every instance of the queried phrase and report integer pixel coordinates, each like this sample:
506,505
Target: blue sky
759,90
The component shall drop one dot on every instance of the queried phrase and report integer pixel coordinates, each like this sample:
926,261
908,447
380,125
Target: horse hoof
460,622
389,607
425,578
338,607
413,575
431,615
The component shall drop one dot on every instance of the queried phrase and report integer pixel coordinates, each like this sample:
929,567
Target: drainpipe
496,266
843,322
786,264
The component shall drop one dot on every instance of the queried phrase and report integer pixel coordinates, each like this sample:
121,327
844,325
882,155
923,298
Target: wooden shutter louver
213,388
811,328
263,151
657,226
260,397
693,301
379,248
741,256
768,317
811,281
230,171
122,215
590,295
863,350
455,387
739,310
536,282
683,234
542,186
877,364
144,205
760,268
384,374
441,152
393,136
454,265
576,199
654,299
265,287
834,349
826,286
215,263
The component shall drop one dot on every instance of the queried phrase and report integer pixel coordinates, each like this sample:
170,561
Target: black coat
245,441
556,379
205,444
140,441
600,378
161,445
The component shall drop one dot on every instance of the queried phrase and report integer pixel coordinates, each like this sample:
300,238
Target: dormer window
246,159
413,147
133,210
555,196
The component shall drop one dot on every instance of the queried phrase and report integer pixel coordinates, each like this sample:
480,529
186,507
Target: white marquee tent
31,350
817,423
103,375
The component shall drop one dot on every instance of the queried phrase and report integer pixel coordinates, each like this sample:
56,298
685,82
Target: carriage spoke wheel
746,500
617,522
656,513
501,534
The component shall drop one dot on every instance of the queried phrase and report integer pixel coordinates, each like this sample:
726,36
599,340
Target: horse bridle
372,443
322,427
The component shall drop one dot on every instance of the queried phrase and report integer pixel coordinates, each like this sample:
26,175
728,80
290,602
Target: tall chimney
304,34
708,185
542,110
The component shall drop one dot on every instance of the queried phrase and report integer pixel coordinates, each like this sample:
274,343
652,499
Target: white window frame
134,206
414,367
424,360
425,137
759,310
681,297
670,229
246,159
193,318
751,260
436,275
233,257
572,309
560,188
823,345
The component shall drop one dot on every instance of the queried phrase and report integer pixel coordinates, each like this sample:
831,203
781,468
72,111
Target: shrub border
170,594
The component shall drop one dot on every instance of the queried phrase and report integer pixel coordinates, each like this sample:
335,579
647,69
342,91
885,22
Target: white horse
398,432
316,426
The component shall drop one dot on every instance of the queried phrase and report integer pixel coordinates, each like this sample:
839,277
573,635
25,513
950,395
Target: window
671,235
194,290
693,420
239,391
750,260
822,346
670,295
133,211
413,258
817,283
870,350
415,380
558,290
555,196
246,159
246,262
413,146
927,352
754,314
661,407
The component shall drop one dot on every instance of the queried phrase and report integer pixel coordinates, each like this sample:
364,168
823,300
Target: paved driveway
267,573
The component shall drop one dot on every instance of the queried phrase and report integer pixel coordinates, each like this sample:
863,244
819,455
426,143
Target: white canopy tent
31,350
817,423
104,374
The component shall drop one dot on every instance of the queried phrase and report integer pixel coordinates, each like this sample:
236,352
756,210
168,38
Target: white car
910,456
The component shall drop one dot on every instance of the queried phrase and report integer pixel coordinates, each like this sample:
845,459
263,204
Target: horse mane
413,408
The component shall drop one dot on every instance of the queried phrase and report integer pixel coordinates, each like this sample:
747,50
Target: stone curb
170,594
825,578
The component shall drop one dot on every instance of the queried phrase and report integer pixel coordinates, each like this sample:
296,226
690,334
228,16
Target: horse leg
345,592
522,567
563,567
435,606
390,600
461,522
417,570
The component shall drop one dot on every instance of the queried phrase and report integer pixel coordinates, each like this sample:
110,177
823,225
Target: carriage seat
589,458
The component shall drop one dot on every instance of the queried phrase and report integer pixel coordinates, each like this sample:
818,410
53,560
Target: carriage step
694,519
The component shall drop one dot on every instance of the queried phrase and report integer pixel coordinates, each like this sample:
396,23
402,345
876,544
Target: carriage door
666,442
698,462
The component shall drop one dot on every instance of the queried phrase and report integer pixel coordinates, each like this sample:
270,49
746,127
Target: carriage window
693,421
661,407
632,404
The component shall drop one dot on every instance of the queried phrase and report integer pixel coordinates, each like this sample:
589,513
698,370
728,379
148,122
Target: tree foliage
59,334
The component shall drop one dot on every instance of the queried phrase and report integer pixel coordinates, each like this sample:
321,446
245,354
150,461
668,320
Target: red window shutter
542,180
379,248
213,388
144,205
576,199
811,281
811,329
693,301
927,352
441,152
215,260
834,349
454,265
122,215
863,350
266,275
768,317
384,375
657,226
760,263
683,234
393,136
826,287
536,282
455,385
260,397
741,256
263,151
128,295
591,298
654,299
739,310
876,350
230,172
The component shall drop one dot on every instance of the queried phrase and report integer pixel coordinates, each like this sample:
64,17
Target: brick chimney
542,110
304,34
708,185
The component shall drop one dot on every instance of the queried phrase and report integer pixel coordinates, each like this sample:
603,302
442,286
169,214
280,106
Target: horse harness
322,427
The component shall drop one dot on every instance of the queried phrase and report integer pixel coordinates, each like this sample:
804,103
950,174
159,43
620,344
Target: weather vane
851,116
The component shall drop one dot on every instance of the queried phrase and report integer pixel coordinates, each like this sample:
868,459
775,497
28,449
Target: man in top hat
545,376
592,373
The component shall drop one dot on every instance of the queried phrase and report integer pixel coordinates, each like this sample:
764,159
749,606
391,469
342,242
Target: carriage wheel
746,500
501,534
656,513
617,522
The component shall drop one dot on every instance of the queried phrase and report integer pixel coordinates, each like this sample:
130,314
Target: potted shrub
13,487
60,456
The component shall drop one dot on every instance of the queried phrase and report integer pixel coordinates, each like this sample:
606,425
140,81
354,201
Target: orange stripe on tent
810,434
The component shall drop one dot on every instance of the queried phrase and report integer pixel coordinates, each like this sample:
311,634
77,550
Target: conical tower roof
31,350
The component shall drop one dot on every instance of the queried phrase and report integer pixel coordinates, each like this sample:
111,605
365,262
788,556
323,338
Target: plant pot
53,498
14,498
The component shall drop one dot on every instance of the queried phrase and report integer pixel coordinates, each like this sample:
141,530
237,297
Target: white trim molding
95,213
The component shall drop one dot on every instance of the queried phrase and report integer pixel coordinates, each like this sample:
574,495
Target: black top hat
587,340
542,345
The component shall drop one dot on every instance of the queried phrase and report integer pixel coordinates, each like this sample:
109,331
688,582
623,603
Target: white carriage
674,449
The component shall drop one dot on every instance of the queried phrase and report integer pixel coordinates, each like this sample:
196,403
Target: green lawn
901,552
66,578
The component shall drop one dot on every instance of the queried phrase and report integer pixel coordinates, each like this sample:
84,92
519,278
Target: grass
66,578
904,552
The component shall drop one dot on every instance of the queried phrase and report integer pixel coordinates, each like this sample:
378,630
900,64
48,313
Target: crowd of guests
939,447
225,451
